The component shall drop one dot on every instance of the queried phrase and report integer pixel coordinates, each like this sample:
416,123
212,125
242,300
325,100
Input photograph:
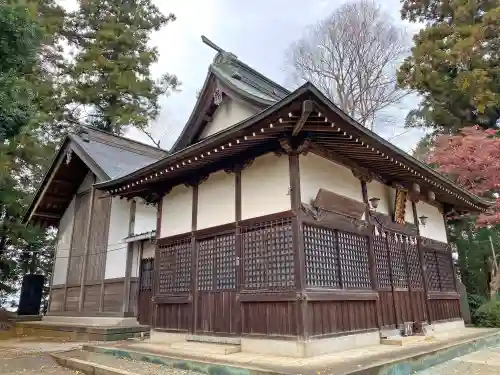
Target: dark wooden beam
86,250
194,259
128,261
307,108
47,215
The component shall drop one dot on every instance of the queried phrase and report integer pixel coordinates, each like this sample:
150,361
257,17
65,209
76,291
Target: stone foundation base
450,326
277,347
91,321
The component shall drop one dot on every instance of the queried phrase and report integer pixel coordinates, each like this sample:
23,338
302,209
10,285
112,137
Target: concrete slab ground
376,359
19,356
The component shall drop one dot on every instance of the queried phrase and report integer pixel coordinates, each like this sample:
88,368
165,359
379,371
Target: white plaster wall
63,245
116,256
216,200
176,211
145,218
87,183
229,113
264,186
435,227
317,172
148,250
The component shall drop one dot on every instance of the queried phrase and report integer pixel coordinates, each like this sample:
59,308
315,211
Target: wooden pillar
54,258
371,254
453,268
422,262
128,262
86,251
298,245
194,259
141,254
156,270
238,244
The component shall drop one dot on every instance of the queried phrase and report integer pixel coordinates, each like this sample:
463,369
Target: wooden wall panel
113,297
134,291
82,203
92,298
72,299
57,300
145,307
327,317
272,318
173,316
98,238
444,309
218,312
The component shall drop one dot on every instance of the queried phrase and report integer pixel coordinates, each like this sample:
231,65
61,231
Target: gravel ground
483,362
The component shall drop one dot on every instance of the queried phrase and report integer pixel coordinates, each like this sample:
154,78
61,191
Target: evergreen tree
455,63
110,83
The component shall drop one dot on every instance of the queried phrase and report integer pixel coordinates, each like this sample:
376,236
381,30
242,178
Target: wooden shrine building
284,224
101,241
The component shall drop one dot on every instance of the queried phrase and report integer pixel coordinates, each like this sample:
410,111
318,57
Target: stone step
404,341
191,347
215,339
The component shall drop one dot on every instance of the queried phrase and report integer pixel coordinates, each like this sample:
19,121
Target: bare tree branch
352,56
150,136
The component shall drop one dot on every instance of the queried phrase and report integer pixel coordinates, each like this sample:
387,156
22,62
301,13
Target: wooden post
237,244
371,254
298,245
54,259
422,262
86,251
141,253
128,262
156,270
194,259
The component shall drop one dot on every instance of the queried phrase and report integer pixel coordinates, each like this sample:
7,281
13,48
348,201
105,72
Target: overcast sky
257,31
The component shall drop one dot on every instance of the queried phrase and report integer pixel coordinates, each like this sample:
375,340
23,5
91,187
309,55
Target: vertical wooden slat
394,298
371,255
128,261
422,262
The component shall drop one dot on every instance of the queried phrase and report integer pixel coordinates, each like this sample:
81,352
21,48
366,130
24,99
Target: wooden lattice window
175,267
397,252
354,266
446,279
381,261
147,269
414,267
432,271
322,263
217,263
268,259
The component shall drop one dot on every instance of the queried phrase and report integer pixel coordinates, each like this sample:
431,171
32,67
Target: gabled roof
234,79
106,155
327,127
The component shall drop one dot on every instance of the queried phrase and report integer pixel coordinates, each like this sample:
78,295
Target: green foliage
475,301
110,83
454,63
488,315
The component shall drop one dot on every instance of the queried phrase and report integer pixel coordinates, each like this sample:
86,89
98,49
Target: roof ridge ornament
222,55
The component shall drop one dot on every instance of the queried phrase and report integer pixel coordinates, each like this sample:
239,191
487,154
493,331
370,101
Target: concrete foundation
91,321
450,326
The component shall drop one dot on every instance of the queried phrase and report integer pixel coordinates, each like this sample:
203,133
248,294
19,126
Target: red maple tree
472,159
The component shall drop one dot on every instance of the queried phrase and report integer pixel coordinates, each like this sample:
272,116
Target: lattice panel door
398,268
414,268
382,262
175,267
268,261
206,252
432,272
353,253
147,269
322,262
446,277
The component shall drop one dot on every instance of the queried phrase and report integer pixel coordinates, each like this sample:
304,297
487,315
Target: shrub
488,315
475,301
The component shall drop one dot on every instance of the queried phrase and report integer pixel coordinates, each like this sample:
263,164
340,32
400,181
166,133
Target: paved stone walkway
483,362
